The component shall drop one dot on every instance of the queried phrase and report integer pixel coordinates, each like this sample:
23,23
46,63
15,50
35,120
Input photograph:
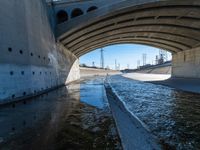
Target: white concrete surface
147,77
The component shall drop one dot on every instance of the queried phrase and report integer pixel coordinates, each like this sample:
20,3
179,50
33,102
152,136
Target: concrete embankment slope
86,72
157,69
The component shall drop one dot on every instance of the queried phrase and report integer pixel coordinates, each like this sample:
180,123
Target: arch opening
76,12
128,54
62,16
92,8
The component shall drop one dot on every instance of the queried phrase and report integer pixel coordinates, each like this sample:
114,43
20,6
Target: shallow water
171,115
71,117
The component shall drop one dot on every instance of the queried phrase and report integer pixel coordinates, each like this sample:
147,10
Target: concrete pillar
186,64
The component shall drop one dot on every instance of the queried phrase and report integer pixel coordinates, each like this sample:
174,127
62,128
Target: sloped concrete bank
134,133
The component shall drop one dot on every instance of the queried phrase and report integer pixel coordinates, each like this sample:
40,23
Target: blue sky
125,54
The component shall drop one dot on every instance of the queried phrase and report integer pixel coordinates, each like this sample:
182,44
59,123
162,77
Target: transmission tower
102,58
162,56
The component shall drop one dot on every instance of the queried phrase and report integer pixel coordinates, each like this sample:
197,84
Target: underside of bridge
170,25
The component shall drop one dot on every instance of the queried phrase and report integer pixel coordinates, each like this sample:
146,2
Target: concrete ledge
134,134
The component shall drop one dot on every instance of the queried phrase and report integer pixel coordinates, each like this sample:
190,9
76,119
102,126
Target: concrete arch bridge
167,24
41,41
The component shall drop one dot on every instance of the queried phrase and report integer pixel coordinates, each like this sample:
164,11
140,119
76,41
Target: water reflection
94,95
172,115
28,119
60,120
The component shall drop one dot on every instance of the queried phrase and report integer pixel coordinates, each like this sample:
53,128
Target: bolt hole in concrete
22,72
67,118
21,52
10,49
11,73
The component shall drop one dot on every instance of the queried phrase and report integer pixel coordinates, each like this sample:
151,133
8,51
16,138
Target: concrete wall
158,70
186,64
30,60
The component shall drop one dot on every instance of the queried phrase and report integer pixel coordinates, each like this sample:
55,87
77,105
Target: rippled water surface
172,115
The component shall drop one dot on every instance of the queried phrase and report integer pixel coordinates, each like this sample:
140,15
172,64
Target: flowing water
173,116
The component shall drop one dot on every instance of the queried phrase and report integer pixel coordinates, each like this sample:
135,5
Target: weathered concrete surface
186,64
74,72
160,69
30,60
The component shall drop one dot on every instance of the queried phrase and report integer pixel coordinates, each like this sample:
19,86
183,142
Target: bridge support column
31,61
186,64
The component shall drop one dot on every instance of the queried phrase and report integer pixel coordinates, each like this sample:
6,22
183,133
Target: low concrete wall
31,61
158,70
86,72
186,64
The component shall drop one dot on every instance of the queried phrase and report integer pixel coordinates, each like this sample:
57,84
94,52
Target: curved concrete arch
61,16
76,12
190,32
177,40
163,24
162,43
108,43
141,16
92,8
179,46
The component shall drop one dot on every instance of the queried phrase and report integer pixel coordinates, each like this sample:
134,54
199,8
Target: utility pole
93,64
102,58
115,64
144,57
138,64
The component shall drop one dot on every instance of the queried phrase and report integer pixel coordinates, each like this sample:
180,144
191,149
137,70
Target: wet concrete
73,117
